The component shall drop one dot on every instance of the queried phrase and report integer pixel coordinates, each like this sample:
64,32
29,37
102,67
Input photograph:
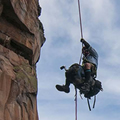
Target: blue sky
101,28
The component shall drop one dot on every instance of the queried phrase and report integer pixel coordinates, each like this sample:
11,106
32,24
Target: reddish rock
21,38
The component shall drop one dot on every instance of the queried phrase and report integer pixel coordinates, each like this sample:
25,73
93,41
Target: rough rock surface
21,38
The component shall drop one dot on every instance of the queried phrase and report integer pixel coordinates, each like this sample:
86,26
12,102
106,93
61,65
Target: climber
90,64
90,61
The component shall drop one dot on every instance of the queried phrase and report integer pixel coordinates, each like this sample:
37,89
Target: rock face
21,38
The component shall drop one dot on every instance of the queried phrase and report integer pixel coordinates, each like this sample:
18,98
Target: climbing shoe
63,88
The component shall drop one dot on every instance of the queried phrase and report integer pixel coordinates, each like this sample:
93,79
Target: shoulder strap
93,103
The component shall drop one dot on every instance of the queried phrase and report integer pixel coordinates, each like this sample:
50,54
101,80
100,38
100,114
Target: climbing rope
75,103
80,20
80,56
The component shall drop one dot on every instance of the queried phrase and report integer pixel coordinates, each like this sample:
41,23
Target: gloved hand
82,40
85,43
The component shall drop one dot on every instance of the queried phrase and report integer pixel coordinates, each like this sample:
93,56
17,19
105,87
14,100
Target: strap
88,104
94,101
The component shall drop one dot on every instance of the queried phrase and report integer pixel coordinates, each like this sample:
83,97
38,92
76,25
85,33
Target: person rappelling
83,76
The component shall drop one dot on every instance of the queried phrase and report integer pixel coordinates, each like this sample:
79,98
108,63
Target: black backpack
75,74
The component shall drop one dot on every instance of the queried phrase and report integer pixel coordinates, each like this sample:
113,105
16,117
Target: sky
101,28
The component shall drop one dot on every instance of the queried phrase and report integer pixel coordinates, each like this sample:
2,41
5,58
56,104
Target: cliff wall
21,38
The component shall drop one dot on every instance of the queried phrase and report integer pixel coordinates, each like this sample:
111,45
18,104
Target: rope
75,103
80,18
80,57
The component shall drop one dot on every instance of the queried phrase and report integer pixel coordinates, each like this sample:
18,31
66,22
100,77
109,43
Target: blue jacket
92,57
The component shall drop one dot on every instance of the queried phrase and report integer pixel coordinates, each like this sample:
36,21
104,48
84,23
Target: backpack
75,74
